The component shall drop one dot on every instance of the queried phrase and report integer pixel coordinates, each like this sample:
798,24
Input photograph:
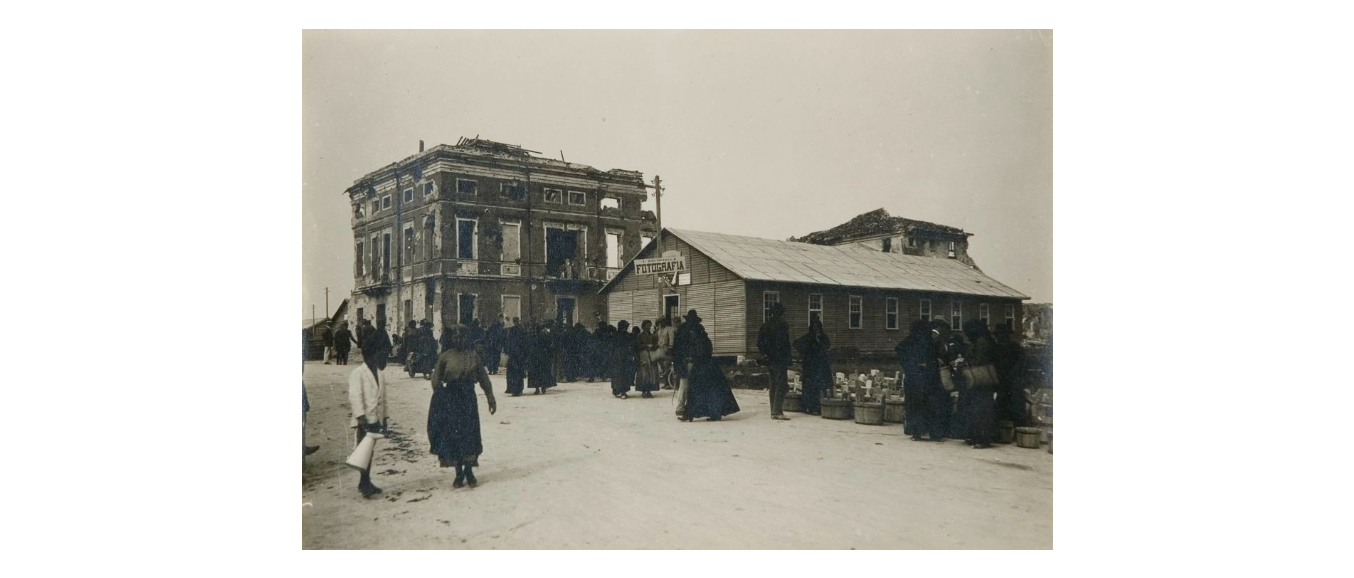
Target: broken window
562,255
644,240
613,250
554,196
465,186
409,245
375,206
409,195
886,245
375,254
891,313
465,239
912,242
512,242
427,188
429,239
512,308
515,192
385,202
610,203
854,312
951,248
361,263
385,252
578,198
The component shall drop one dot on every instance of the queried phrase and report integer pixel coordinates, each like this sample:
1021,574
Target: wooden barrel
869,413
836,408
1027,437
1005,432
893,411
792,402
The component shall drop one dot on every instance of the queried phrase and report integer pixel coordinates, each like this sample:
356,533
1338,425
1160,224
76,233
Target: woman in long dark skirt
514,344
646,378
980,418
622,362
453,413
710,396
921,383
814,349
541,360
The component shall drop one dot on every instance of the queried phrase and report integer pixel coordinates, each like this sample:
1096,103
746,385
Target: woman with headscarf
921,382
515,345
980,381
941,401
646,379
814,350
453,413
710,395
622,360
541,360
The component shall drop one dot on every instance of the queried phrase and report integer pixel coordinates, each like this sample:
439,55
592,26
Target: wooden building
865,297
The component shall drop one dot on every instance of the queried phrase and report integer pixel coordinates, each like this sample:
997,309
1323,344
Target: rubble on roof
876,222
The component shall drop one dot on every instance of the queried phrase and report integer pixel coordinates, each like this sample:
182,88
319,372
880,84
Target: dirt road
577,468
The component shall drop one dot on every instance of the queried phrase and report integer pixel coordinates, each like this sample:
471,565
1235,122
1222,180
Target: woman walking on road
622,362
710,395
453,413
646,379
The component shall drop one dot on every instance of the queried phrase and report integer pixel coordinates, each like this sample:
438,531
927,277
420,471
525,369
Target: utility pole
326,303
657,187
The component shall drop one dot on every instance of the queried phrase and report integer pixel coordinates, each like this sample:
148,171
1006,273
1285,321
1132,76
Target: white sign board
666,265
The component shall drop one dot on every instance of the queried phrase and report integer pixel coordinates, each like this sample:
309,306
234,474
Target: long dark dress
454,413
981,407
710,393
514,345
1010,360
817,366
646,378
541,361
623,363
923,395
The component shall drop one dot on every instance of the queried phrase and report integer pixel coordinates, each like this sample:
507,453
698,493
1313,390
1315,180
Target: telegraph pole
326,303
657,187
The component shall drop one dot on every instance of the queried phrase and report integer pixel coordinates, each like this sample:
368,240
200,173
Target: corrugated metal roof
759,259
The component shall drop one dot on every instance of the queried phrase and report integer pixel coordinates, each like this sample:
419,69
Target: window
512,242
610,203
924,311
428,188
466,186
578,198
409,246
956,315
359,313
983,314
854,312
429,239
408,306
465,239
385,251
912,242
769,298
554,196
409,195
513,191
891,313
613,250
375,254
886,245
429,297
815,307
385,202
361,262
512,308
951,248
644,240
1010,317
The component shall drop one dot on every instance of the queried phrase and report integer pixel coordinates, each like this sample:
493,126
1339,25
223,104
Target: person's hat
691,316
777,309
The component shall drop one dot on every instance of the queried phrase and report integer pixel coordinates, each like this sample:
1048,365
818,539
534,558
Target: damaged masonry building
481,229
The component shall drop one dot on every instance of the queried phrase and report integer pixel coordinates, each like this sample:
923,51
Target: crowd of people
957,385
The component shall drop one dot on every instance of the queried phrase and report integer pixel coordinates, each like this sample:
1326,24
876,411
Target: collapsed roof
874,223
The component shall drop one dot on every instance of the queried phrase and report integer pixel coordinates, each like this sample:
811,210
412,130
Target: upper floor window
515,192
891,313
886,244
911,241
610,203
466,186
428,188
855,311
578,198
409,195
554,196
361,262
769,298
375,206
385,202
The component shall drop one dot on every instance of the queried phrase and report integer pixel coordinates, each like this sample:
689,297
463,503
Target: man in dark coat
493,346
343,342
815,350
921,383
376,346
541,372
773,341
1009,356
514,344
682,347
408,342
327,335
710,396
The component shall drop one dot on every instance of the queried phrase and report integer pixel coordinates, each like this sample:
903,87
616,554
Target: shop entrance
564,310
672,306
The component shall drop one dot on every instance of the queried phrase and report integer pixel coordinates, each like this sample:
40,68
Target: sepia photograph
677,290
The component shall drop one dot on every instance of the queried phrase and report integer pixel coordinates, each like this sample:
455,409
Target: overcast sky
768,134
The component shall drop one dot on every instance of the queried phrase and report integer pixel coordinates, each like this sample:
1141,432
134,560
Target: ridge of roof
875,222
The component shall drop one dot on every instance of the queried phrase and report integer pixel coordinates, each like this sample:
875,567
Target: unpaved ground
576,468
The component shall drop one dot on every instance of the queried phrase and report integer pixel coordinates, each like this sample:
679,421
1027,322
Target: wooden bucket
1027,437
869,413
1005,432
893,411
792,402
836,408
